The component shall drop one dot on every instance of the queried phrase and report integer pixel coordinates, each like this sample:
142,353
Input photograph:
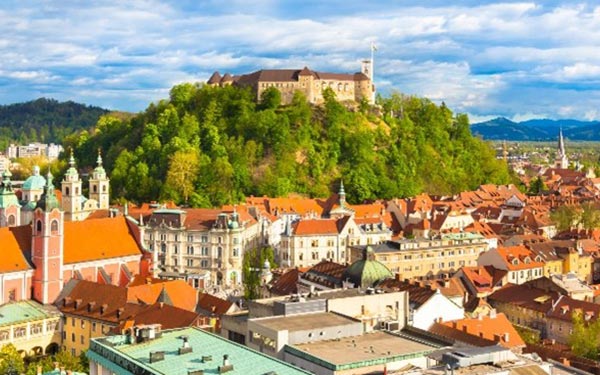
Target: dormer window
515,261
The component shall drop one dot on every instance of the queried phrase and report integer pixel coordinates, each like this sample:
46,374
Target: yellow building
427,258
562,257
32,328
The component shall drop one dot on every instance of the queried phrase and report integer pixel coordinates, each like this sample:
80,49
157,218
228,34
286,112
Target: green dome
35,182
48,200
7,195
367,272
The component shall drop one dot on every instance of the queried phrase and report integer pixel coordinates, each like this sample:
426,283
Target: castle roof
214,78
367,272
35,181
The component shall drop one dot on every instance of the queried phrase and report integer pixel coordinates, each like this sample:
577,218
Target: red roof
98,239
14,242
315,226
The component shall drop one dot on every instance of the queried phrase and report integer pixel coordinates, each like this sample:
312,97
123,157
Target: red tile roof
15,241
213,304
181,294
496,329
98,239
315,226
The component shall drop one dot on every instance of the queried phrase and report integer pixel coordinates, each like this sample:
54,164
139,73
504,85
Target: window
300,256
4,335
204,239
104,188
95,188
76,191
93,326
190,250
73,322
11,220
314,243
54,226
190,238
236,252
82,339
73,337
315,255
190,263
175,249
73,352
67,191
204,263
38,226
236,240
204,250
20,332
163,237
34,329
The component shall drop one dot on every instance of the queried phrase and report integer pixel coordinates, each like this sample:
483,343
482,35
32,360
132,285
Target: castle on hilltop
347,87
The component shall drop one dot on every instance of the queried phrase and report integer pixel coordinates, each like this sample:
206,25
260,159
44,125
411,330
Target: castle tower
47,246
342,195
10,209
71,193
99,185
561,161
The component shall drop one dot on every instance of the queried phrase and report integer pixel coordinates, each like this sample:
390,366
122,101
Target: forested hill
537,130
210,146
45,120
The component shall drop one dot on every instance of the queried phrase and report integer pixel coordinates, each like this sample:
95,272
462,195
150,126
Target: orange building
38,259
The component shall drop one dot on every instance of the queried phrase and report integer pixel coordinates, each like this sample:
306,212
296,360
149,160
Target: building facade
347,87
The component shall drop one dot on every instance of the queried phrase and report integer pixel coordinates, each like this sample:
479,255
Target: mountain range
502,128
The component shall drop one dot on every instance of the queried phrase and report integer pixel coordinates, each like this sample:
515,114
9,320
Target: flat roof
114,353
368,347
25,311
302,322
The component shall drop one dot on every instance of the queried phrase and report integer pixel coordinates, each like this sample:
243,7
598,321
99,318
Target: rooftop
24,311
303,322
371,348
207,355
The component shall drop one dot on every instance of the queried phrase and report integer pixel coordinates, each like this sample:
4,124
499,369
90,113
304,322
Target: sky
519,60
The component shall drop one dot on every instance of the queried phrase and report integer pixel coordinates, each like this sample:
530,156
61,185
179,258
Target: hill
45,120
209,146
536,130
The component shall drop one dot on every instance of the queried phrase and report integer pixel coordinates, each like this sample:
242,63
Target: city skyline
519,60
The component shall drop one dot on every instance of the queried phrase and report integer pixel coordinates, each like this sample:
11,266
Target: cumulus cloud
485,58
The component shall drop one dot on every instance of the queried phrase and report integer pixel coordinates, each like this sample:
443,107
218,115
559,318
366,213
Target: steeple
342,194
72,198
561,161
48,200
99,184
10,209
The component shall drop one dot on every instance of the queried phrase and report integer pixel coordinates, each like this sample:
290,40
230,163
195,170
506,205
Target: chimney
120,311
227,366
506,337
454,324
465,328
103,308
185,347
493,314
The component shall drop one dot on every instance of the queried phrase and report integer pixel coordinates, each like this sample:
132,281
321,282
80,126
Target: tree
11,362
252,265
589,217
537,186
183,169
585,338
564,217
270,98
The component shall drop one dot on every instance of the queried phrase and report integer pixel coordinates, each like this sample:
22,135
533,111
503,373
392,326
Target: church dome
367,272
35,182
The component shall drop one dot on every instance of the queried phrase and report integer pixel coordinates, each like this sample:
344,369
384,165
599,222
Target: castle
347,87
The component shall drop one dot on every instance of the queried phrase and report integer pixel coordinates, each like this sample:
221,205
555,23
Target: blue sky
516,59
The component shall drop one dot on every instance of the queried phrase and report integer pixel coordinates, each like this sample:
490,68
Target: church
45,243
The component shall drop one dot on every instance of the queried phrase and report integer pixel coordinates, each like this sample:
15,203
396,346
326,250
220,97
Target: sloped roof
16,245
286,284
98,239
213,304
417,294
518,258
180,293
167,316
315,226
489,328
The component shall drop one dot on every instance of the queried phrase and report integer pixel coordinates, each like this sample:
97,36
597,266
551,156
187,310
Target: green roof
208,350
23,311
35,182
48,201
7,194
367,272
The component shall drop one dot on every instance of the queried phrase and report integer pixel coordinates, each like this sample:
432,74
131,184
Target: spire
71,174
99,159
72,159
342,194
561,143
48,200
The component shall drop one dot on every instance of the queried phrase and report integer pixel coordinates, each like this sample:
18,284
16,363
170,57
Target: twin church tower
75,207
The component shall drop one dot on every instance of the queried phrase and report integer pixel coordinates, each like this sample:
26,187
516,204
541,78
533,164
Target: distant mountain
45,120
536,130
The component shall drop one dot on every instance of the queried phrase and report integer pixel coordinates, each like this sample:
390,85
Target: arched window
54,226
38,226
76,191
104,188
11,220
67,190
95,188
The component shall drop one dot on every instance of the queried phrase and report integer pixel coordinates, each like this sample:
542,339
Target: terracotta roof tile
180,293
286,284
98,239
315,226
213,304
496,329
16,244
